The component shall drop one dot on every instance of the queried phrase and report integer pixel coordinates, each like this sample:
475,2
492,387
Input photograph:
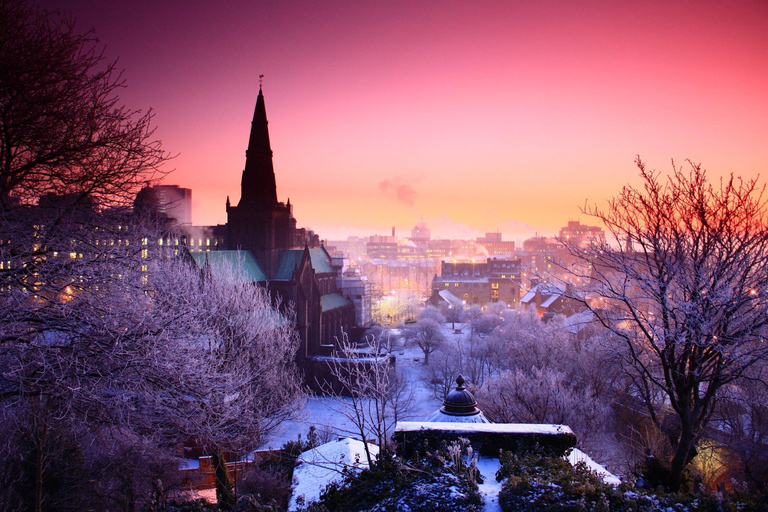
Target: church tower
259,223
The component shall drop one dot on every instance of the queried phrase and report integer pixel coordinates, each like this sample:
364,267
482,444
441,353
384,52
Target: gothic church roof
225,261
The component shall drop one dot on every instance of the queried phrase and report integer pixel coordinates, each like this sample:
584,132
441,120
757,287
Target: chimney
393,231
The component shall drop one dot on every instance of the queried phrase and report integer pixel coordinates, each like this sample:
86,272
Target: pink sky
475,116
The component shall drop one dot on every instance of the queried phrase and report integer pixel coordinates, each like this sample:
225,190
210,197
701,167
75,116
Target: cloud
403,192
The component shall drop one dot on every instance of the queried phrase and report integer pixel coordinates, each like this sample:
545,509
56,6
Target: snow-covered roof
577,456
499,428
440,417
550,301
579,321
450,298
318,467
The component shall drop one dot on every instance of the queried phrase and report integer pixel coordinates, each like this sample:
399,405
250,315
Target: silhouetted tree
685,284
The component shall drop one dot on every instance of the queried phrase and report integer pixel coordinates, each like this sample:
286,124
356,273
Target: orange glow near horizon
475,116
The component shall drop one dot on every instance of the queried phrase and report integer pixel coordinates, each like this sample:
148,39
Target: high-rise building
175,202
496,246
578,233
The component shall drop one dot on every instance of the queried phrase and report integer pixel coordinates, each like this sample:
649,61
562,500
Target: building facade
480,283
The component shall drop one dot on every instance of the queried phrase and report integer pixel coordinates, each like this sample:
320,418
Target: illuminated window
207,242
495,286
446,284
144,253
456,284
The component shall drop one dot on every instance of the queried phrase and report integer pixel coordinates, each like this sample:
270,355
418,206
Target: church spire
258,183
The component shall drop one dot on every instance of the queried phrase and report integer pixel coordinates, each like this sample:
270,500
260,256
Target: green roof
226,261
320,261
331,301
289,260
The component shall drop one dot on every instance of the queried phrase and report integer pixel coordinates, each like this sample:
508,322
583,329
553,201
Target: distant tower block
175,202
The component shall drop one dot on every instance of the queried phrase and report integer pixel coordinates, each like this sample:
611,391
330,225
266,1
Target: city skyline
475,117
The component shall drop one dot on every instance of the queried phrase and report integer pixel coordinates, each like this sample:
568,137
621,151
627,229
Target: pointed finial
261,80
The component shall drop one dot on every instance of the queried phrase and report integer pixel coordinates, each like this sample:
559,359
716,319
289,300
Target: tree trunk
40,461
224,487
683,455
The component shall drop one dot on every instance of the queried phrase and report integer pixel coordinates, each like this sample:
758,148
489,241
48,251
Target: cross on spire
261,80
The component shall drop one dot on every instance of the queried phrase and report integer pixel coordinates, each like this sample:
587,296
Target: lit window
144,253
208,242
447,285
495,286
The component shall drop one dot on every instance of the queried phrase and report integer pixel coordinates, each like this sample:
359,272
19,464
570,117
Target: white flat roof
499,428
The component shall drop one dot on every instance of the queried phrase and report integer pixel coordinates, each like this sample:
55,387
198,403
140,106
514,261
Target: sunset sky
475,116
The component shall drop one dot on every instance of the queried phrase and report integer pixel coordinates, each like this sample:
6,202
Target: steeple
258,184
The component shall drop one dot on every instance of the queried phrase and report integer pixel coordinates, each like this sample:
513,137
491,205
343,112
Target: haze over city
473,116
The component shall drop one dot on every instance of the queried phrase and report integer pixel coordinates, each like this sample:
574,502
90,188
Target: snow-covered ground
323,465
488,466
323,412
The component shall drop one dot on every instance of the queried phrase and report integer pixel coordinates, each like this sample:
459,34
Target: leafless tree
683,284
371,392
741,424
427,334
247,349
161,354
102,333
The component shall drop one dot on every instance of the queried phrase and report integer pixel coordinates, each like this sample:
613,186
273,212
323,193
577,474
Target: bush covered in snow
534,482
444,480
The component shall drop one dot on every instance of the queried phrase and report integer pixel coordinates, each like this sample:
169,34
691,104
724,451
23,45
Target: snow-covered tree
371,392
684,283
427,334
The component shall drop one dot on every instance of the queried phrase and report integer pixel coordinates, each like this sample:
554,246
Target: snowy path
490,487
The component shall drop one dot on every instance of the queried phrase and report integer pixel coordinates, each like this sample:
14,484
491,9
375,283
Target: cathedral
289,261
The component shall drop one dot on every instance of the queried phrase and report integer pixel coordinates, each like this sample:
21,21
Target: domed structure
459,406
